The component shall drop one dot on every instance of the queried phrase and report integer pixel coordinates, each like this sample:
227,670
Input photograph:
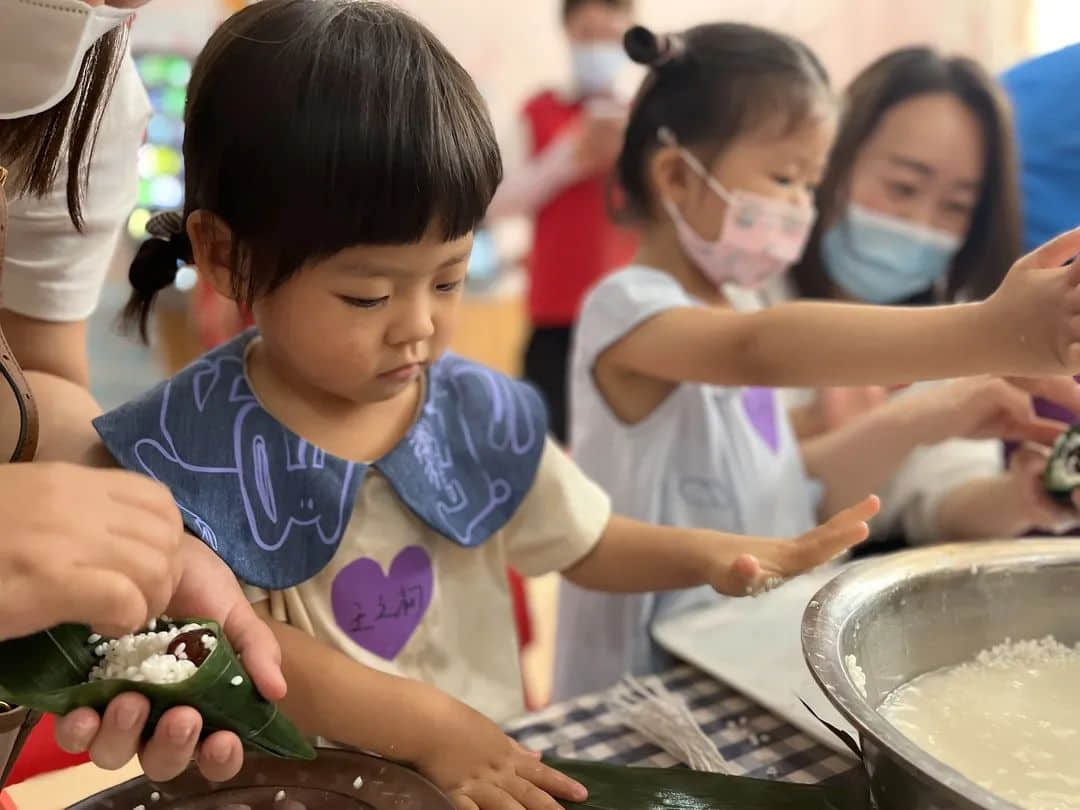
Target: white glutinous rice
155,796
855,672
237,680
279,796
358,783
1008,720
143,657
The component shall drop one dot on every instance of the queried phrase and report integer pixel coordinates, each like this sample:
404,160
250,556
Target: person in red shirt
574,138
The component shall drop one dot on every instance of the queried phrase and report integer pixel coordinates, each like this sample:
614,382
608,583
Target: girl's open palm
766,563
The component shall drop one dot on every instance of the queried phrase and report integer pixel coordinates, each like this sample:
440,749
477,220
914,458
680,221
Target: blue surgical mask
882,259
596,66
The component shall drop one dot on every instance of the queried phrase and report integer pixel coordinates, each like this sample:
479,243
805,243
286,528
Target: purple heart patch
760,407
378,611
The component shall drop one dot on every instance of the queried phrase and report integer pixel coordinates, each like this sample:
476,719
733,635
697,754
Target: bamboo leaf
616,787
48,672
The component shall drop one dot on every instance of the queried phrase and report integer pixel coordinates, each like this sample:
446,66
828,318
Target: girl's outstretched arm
633,556
1030,326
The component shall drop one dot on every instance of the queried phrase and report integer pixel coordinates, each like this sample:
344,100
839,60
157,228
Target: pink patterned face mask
760,238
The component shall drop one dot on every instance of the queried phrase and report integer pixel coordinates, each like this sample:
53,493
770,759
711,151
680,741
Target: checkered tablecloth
752,740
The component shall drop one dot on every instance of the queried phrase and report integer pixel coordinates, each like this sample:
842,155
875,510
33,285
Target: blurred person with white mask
95,546
573,137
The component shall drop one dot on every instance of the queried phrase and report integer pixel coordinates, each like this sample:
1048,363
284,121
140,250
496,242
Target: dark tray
324,784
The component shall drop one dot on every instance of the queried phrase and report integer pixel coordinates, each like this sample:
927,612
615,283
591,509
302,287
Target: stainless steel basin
913,612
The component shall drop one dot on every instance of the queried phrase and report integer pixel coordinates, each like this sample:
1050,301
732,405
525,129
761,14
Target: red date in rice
190,645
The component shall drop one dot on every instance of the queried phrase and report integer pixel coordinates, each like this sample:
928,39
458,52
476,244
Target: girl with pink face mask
673,410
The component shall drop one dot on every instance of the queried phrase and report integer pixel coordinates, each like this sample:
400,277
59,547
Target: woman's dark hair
993,239
36,147
316,125
708,86
570,6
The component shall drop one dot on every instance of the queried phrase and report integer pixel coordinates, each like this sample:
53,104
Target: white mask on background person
596,66
42,45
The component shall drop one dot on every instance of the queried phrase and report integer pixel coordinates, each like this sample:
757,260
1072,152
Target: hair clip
669,48
166,224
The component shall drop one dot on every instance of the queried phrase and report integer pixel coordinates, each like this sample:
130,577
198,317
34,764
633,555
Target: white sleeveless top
715,457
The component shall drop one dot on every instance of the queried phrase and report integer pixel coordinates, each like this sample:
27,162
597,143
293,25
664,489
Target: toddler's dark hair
316,125
708,86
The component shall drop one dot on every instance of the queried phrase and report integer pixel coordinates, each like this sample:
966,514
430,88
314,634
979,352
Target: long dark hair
37,147
708,86
993,239
315,125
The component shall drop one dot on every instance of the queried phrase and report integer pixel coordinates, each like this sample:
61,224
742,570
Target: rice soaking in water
1009,721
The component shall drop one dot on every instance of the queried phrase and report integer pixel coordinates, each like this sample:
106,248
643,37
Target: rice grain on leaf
49,671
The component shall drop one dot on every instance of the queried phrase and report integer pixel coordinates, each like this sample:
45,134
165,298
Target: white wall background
515,46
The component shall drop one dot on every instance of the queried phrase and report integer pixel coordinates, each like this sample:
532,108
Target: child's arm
633,556
1029,326
461,751
863,454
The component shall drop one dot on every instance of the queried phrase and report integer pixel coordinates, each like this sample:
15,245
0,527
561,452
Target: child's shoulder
636,285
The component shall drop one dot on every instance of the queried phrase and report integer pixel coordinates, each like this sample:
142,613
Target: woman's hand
1035,510
486,770
207,589
1010,504
987,408
96,547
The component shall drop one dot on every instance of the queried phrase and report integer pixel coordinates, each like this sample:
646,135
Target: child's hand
480,768
766,563
1034,316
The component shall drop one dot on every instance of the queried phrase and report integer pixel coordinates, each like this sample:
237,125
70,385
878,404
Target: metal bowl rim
835,604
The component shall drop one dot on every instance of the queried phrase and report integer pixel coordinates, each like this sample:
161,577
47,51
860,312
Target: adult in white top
100,547
919,205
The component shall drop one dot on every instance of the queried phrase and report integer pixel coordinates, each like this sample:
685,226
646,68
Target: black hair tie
158,258
154,266
652,50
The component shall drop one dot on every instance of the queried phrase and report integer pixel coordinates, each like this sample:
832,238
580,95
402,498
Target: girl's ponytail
154,268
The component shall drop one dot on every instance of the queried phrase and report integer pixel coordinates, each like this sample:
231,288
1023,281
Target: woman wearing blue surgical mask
919,205
920,200
573,137
94,546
